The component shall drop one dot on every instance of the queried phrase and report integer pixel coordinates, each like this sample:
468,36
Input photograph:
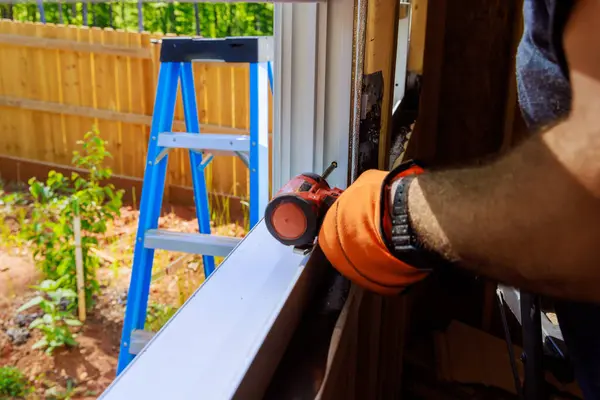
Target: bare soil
90,367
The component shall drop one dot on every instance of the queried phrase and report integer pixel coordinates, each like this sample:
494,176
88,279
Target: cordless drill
295,213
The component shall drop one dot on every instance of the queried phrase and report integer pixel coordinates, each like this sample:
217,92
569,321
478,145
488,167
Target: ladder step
139,339
204,141
193,243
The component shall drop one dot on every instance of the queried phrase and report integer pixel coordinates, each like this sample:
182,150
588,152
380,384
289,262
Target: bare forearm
525,219
531,218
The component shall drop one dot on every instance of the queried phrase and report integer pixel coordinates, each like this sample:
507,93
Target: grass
220,214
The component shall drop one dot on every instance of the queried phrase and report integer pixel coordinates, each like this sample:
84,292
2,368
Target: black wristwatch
404,243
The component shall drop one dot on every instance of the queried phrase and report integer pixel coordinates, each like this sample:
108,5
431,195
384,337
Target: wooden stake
79,267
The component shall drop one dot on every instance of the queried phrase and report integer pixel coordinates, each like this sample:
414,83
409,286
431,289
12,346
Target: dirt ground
90,367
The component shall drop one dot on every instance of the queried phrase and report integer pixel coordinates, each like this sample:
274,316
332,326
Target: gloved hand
350,235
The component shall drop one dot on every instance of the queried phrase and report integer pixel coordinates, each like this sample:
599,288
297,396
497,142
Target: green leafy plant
158,315
55,204
57,303
13,383
68,393
11,208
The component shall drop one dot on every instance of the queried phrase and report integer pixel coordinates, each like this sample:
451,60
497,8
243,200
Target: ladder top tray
250,49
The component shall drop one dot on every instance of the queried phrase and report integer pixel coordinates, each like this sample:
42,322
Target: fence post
140,16
197,16
84,13
60,12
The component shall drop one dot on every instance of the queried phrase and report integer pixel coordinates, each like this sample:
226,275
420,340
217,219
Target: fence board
66,80
87,94
71,46
105,98
50,60
123,98
38,91
69,63
6,87
95,113
137,103
22,63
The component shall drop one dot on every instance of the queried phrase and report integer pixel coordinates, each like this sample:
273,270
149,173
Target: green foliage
57,304
158,315
57,393
11,208
216,19
13,383
55,204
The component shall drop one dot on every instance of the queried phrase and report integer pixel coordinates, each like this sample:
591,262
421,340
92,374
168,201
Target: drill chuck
292,220
295,213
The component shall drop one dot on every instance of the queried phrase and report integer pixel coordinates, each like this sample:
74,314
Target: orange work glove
351,240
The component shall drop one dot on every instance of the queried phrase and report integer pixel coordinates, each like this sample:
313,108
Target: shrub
57,304
13,383
55,204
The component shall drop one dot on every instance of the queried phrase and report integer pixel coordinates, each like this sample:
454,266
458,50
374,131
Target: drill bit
329,170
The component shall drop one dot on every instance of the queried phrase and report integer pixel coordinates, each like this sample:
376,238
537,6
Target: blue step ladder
176,57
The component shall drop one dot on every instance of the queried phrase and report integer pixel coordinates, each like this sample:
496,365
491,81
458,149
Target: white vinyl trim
226,340
311,102
207,347
401,58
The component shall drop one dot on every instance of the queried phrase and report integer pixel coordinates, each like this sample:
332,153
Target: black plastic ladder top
250,49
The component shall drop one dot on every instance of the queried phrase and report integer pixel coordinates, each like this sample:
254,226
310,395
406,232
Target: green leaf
31,303
67,293
55,343
36,189
61,280
109,191
63,267
36,323
45,285
73,322
70,341
43,342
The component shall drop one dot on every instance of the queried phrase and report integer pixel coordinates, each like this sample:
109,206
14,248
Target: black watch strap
404,241
402,238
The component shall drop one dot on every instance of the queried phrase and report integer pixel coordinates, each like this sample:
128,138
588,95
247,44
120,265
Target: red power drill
295,213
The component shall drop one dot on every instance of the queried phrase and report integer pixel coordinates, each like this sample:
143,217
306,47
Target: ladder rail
270,66
152,195
259,142
190,110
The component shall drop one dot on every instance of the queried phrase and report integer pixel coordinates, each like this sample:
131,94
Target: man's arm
531,218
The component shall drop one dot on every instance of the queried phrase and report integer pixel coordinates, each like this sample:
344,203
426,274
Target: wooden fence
57,82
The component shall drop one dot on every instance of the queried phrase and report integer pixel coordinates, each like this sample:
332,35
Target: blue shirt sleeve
544,90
